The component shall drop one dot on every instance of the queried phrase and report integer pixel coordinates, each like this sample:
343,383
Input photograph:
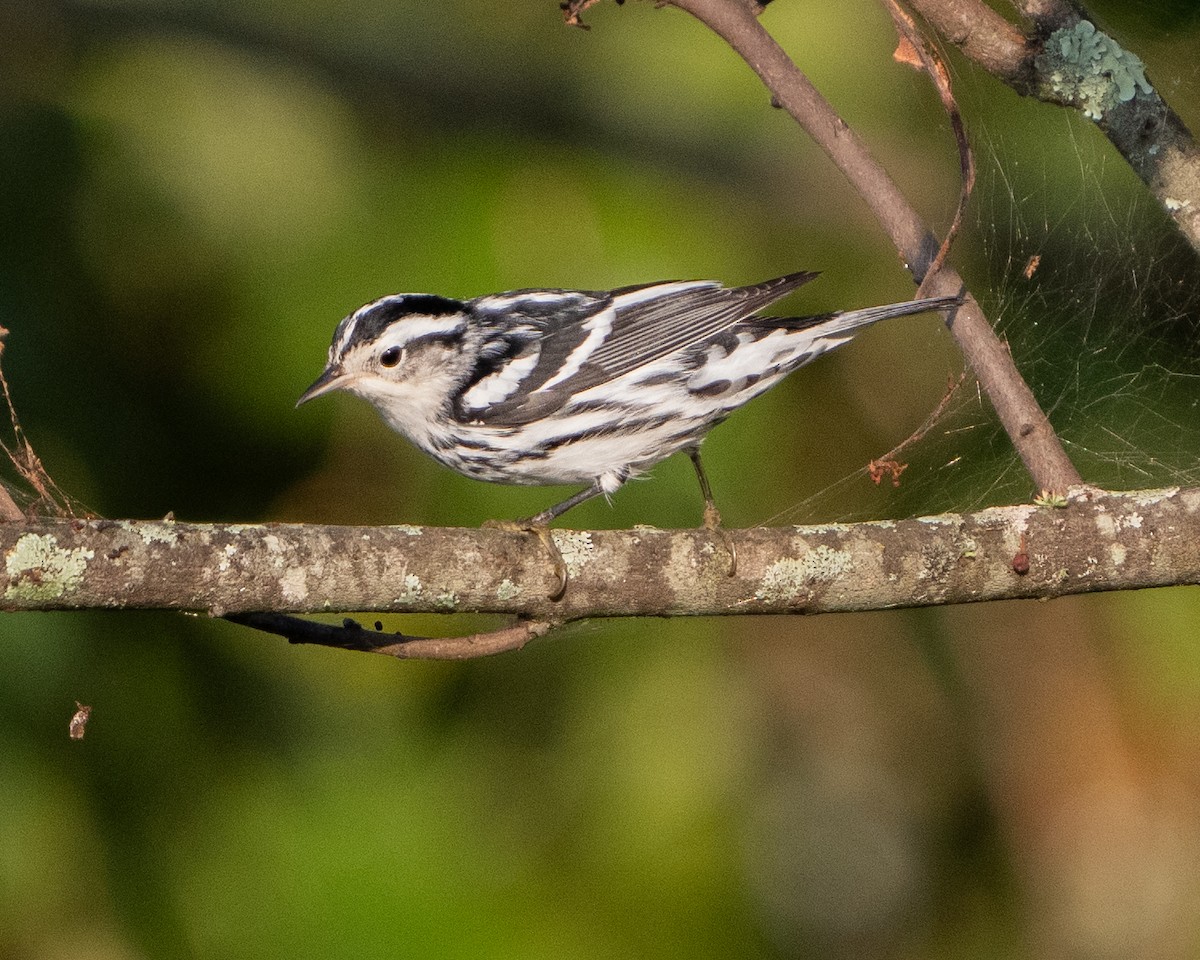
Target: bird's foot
542,532
712,523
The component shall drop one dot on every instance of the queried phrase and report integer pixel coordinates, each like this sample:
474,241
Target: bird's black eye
391,356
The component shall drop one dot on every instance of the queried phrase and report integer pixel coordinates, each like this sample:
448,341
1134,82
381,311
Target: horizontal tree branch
1098,541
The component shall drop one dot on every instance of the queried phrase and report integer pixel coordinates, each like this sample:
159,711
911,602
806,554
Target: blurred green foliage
193,193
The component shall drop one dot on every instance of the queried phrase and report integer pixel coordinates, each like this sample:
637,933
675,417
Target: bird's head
401,353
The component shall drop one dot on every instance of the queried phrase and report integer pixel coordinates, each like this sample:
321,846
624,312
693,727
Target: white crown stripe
347,331
410,328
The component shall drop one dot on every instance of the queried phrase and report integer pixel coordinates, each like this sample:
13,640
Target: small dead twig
914,51
78,725
27,464
880,467
573,10
8,507
351,635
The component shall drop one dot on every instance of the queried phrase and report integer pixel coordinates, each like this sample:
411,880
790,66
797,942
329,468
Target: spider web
1098,298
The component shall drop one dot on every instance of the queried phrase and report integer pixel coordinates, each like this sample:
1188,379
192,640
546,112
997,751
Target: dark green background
193,193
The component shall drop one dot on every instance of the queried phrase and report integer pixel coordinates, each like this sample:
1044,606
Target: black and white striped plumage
569,386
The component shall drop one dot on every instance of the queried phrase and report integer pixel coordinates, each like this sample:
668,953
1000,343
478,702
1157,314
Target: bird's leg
539,526
712,516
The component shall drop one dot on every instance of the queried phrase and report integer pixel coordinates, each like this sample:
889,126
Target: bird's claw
712,523
542,532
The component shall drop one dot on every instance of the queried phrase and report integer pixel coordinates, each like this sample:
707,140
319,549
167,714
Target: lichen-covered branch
1097,541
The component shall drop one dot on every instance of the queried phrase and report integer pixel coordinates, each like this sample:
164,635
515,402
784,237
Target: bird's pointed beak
331,379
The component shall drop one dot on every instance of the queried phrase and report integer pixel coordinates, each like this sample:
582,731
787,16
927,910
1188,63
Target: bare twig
352,636
8,507
913,44
1015,404
27,464
888,464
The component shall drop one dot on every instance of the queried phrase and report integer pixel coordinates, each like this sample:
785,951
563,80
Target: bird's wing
558,343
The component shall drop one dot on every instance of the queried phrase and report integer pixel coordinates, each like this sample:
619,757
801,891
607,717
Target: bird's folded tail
848,321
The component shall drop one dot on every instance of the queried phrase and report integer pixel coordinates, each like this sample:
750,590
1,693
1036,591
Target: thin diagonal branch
1013,401
981,33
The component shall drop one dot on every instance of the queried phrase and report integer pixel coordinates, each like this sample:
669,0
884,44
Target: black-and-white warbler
571,386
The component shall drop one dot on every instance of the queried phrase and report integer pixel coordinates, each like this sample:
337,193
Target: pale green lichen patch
151,532
39,569
788,578
1091,69
446,601
576,548
1149,498
412,590
408,530
1017,517
1109,525
507,590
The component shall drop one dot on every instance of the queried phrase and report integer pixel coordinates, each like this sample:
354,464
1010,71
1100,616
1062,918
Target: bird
557,386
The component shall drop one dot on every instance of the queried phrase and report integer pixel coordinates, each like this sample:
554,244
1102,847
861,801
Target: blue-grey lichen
1091,69
39,569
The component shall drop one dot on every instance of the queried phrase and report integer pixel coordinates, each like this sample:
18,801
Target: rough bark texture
1099,541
